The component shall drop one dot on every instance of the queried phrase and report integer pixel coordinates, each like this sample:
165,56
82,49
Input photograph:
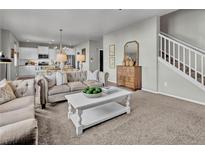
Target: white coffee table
86,112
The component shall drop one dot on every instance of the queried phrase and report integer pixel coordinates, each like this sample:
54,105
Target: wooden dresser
129,76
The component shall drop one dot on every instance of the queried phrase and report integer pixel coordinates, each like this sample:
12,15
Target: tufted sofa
17,117
76,81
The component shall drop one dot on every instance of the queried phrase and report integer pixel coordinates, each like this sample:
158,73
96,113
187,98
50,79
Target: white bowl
92,95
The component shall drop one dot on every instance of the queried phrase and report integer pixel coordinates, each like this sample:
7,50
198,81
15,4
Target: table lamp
80,58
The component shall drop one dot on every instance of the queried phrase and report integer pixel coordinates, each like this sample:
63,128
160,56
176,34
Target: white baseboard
174,96
151,91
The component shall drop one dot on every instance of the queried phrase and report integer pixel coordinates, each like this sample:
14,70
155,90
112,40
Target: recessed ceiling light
27,40
52,40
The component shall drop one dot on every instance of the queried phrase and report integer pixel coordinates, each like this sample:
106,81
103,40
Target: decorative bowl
92,95
92,92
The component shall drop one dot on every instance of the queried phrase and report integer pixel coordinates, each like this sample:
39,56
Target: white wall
145,33
173,84
187,25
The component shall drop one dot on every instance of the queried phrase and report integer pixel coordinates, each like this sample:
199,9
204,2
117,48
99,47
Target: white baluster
174,54
160,46
202,70
165,48
178,56
195,55
189,63
169,53
184,63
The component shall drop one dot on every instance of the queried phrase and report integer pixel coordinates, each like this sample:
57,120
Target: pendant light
61,56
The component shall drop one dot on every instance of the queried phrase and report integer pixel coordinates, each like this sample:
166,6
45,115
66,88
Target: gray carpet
154,119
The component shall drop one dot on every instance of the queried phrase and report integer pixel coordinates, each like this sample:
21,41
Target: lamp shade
61,57
80,58
3,59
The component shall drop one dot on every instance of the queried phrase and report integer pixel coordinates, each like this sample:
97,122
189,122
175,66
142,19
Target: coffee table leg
79,128
69,110
128,104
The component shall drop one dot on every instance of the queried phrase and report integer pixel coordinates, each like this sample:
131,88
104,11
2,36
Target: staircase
187,60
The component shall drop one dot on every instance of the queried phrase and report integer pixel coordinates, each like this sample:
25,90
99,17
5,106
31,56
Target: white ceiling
78,25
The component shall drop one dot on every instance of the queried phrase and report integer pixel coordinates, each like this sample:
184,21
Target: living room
136,76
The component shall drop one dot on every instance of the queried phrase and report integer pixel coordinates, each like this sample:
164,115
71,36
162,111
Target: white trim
182,74
182,98
174,96
151,91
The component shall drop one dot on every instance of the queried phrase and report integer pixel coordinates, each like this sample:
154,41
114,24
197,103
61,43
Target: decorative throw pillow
51,80
22,88
61,78
93,75
6,92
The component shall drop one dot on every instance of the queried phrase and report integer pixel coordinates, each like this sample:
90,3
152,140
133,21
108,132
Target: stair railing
183,56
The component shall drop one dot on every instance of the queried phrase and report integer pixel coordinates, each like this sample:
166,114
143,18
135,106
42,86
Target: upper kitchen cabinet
28,53
52,54
43,50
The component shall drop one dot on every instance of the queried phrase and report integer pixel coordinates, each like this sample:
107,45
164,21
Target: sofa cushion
12,133
17,115
23,88
76,85
58,89
77,76
93,83
17,103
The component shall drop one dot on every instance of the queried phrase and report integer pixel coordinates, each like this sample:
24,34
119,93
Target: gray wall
92,51
187,25
145,33
173,84
1,66
7,43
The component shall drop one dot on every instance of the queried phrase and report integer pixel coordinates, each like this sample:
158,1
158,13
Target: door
101,60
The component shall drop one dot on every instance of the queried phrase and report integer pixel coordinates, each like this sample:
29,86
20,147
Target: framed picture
112,56
112,62
83,52
112,50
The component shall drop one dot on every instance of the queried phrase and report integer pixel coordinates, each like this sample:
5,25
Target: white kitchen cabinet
28,53
52,54
43,50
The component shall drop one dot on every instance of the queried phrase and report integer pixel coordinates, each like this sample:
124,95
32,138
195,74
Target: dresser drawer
130,85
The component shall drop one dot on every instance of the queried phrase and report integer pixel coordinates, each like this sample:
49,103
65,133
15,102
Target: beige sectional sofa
17,117
76,81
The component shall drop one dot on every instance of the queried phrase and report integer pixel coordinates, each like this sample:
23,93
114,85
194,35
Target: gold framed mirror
131,51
